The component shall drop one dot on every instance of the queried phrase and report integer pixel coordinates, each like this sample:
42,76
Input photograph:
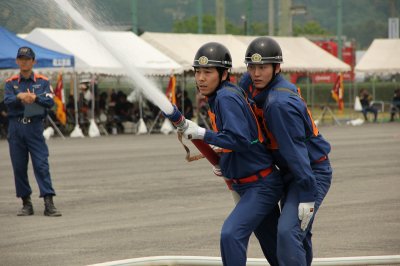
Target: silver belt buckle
25,120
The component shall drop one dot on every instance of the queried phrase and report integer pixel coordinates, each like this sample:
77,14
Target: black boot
27,208
49,208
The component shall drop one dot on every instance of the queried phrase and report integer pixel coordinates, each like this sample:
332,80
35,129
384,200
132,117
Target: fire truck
331,46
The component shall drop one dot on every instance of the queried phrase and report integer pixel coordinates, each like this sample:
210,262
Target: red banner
338,91
60,101
170,92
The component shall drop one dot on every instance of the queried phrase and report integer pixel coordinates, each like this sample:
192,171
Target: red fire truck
348,55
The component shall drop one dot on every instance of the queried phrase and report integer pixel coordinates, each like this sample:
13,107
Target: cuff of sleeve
209,136
307,196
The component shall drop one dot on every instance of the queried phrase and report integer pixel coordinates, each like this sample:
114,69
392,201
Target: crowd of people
112,109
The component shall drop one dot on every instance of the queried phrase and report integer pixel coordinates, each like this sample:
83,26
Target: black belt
28,120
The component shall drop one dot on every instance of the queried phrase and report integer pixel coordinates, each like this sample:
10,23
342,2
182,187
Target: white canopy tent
299,54
182,47
382,57
145,57
302,55
92,57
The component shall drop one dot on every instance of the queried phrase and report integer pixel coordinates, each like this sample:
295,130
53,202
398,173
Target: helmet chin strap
221,73
273,74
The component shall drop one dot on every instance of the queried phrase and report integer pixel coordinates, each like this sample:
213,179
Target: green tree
190,26
259,28
310,28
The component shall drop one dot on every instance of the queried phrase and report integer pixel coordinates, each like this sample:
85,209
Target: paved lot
134,196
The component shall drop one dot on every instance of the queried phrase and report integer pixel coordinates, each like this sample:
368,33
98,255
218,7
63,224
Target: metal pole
55,127
249,16
285,18
373,86
271,18
312,96
134,17
339,28
93,96
200,16
220,17
76,96
140,105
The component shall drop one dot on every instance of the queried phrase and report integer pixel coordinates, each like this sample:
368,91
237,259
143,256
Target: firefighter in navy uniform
27,95
245,161
299,150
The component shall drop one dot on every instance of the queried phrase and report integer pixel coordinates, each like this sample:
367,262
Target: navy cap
25,52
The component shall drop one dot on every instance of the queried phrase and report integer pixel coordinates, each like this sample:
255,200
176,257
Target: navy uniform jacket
287,119
38,84
238,132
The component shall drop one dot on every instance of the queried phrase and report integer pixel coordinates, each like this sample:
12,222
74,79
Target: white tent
300,54
92,57
145,57
382,57
182,47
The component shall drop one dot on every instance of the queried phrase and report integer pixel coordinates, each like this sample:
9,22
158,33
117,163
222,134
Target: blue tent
9,44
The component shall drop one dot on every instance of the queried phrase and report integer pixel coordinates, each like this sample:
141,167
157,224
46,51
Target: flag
60,101
338,91
170,92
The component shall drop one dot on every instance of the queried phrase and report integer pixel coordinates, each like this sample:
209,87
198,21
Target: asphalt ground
133,196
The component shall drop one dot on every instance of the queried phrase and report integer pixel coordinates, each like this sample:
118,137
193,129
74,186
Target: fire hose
179,121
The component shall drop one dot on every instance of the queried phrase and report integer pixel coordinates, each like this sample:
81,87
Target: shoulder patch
40,76
12,78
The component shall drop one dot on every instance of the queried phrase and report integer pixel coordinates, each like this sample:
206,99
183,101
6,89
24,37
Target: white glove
217,170
193,131
306,212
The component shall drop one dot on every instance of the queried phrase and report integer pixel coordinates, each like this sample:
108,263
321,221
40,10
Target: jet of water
148,88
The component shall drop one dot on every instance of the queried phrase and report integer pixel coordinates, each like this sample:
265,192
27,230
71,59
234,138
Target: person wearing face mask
299,150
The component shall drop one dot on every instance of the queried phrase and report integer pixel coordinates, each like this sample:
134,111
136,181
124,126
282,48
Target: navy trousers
27,140
295,245
257,200
267,233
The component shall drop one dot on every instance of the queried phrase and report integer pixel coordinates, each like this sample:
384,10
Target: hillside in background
363,20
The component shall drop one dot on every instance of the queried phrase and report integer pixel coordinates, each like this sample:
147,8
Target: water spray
145,85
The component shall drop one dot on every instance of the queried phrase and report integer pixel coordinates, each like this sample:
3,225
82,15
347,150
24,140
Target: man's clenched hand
193,131
306,212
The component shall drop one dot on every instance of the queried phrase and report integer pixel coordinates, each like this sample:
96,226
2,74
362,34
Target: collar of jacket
32,77
260,98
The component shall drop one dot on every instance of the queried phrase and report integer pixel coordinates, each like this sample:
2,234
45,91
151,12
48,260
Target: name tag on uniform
33,109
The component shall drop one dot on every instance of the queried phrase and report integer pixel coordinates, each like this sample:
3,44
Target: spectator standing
27,96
